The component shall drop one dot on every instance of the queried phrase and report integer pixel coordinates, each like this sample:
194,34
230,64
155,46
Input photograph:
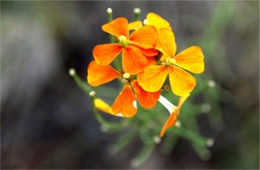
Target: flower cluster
148,56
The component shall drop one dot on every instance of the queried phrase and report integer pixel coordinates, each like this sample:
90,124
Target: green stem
137,12
168,143
109,19
117,61
143,155
107,126
81,84
123,141
192,136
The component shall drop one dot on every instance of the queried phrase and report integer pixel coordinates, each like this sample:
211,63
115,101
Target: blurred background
46,120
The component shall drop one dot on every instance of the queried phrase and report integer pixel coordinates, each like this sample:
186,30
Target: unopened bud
137,10
72,72
205,107
146,22
211,83
156,139
109,10
178,124
92,93
210,142
103,128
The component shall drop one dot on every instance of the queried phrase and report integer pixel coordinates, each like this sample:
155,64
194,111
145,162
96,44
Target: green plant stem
109,19
123,141
192,136
143,155
136,16
82,84
110,127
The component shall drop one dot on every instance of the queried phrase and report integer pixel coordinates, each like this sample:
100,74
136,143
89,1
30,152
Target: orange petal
166,42
169,123
125,103
191,59
117,27
182,83
147,52
103,106
151,61
152,78
145,37
157,21
173,117
135,25
98,74
133,60
146,99
104,54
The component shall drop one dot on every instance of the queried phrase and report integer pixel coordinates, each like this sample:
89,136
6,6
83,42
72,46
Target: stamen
170,61
123,41
126,75
124,81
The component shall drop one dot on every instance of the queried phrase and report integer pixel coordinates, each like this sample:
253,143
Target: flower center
126,75
123,41
125,78
168,62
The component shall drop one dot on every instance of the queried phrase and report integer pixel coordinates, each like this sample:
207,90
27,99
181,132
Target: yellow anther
163,63
123,41
126,75
170,61
124,81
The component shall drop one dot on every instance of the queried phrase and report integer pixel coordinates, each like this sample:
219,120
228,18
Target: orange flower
182,83
174,114
125,104
135,48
